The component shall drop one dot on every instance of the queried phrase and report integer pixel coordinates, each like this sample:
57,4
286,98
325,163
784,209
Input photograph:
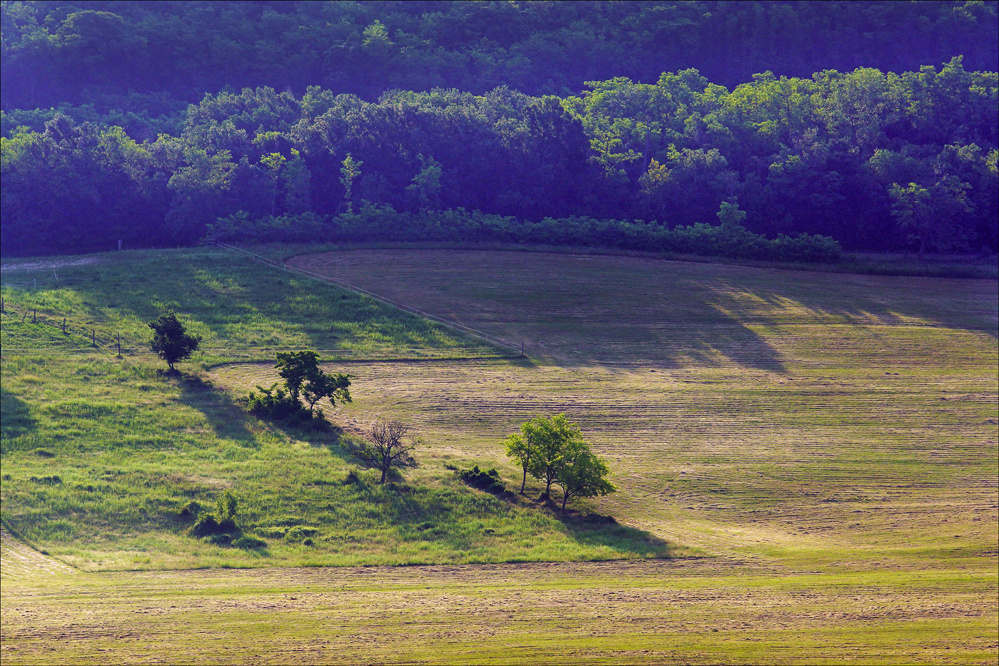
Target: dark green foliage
52,480
274,403
220,525
111,51
487,481
830,118
171,341
303,378
190,510
249,543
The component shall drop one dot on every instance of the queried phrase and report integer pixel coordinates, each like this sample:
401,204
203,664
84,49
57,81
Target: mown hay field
820,450
815,418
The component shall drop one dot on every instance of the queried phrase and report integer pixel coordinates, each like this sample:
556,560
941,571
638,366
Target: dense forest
745,128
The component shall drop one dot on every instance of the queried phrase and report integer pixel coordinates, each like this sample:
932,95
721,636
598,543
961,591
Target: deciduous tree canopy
430,109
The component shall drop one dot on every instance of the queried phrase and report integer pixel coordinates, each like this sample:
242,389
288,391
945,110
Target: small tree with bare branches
390,446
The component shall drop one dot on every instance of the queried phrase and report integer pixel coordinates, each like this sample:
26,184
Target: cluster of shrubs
374,223
219,526
488,481
277,404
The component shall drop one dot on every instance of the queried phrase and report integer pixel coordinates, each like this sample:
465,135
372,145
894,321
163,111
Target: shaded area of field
701,611
580,310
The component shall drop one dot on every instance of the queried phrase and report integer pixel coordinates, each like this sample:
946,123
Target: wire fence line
103,342
456,326
89,339
86,338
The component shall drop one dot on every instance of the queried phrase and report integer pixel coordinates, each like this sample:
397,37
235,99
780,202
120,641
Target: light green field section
663,611
102,454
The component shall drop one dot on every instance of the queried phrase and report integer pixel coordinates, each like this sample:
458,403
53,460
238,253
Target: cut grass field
826,444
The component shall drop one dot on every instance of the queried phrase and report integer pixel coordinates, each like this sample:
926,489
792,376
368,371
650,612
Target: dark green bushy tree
303,378
171,341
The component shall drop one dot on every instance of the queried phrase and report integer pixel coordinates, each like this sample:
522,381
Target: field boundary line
462,328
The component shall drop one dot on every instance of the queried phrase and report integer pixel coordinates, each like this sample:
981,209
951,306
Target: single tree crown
171,341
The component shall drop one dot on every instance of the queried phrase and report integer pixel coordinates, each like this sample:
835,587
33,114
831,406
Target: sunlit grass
101,454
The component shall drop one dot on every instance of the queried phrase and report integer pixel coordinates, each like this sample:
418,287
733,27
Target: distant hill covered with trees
873,123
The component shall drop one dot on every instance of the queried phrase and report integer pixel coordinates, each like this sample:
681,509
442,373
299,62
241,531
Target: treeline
129,55
874,160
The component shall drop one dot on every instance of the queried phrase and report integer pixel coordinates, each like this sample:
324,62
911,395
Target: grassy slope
131,447
854,509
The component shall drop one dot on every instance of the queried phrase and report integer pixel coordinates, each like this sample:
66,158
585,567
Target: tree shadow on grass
425,514
227,418
604,531
16,417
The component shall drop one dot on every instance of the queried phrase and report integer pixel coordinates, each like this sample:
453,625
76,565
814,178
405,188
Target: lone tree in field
552,450
171,342
390,447
583,474
553,439
303,377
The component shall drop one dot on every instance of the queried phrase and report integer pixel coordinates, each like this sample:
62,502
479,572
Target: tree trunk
523,484
565,497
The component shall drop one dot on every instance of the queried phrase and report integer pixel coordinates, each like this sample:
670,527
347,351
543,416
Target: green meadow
101,455
806,463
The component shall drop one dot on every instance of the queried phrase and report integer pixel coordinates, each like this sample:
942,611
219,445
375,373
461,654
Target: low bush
190,510
221,522
487,481
53,480
275,403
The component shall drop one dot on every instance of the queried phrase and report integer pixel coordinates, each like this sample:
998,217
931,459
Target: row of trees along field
877,160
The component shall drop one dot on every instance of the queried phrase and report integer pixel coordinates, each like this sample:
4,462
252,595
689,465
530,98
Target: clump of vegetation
483,480
220,526
303,378
390,448
53,480
171,341
552,450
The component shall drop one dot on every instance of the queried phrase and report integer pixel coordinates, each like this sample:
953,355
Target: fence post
93,337
119,343
63,324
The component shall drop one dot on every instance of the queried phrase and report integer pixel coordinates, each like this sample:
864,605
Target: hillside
743,410
101,455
